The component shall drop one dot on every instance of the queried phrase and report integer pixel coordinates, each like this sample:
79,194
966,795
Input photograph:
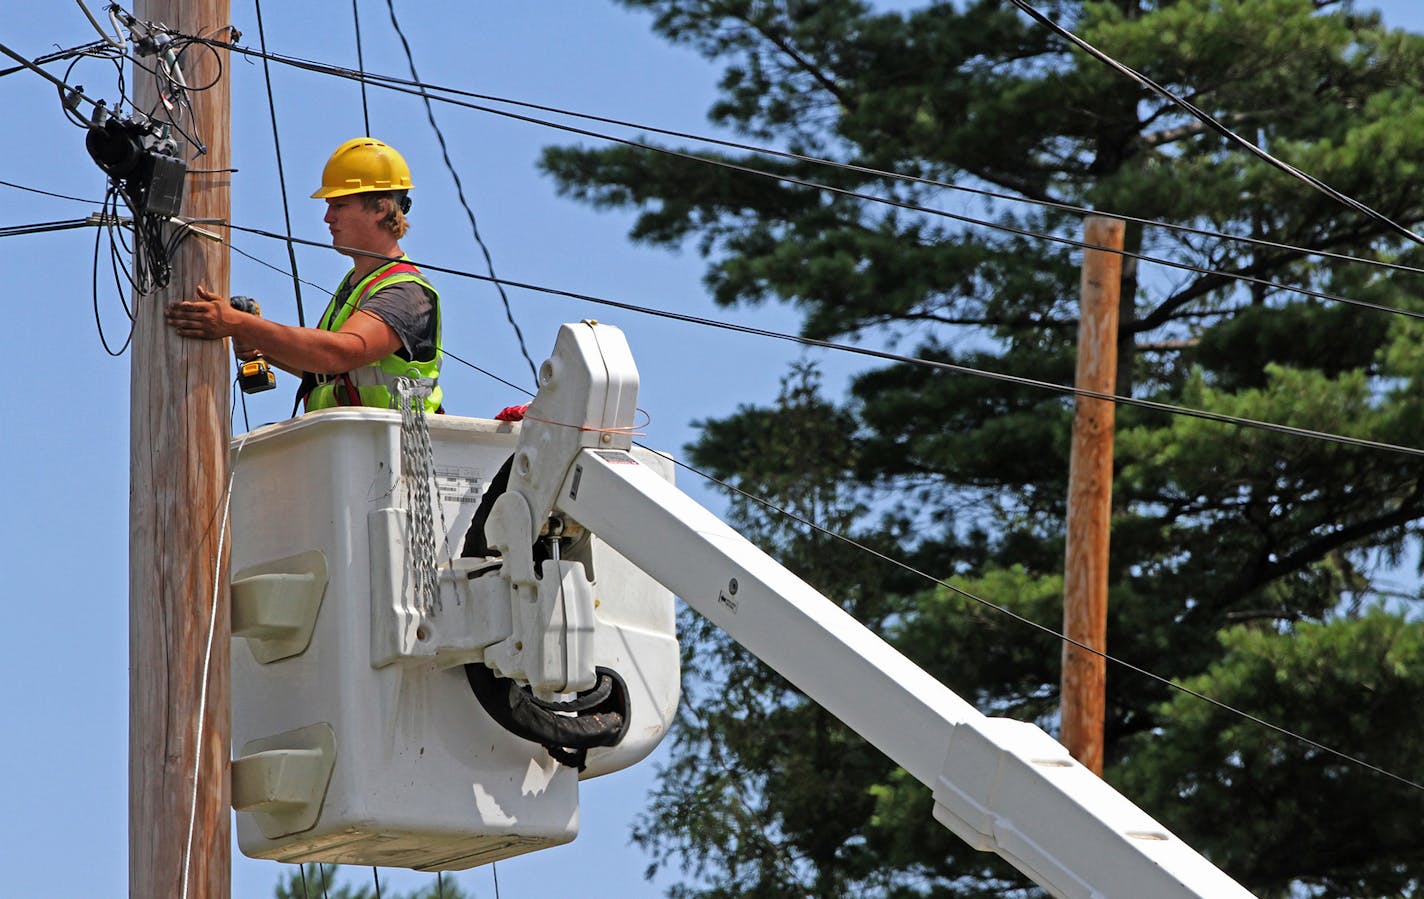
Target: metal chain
418,473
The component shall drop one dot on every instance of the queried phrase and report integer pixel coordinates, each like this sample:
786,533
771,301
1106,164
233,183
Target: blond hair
395,221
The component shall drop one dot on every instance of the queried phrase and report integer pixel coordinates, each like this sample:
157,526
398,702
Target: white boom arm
1001,785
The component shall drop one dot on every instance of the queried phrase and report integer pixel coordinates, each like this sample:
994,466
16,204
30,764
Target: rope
207,671
630,430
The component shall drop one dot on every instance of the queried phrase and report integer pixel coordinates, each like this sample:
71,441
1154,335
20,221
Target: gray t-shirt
409,309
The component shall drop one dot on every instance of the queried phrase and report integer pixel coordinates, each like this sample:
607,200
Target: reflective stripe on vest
375,383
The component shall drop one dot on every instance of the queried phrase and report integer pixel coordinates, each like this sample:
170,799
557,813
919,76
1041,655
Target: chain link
418,473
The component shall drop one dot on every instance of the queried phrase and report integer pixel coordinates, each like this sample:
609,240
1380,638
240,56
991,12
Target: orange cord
631,430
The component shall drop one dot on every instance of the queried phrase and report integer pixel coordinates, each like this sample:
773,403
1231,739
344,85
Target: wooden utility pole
179,625
1090,471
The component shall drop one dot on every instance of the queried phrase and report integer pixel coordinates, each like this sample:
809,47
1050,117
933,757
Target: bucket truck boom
1002,785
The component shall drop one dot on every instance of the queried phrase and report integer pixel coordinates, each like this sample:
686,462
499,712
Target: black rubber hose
597,717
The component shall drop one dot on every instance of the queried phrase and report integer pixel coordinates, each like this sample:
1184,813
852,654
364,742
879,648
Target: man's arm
361,340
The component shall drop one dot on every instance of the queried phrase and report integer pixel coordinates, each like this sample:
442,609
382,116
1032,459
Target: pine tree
316,881
1251,566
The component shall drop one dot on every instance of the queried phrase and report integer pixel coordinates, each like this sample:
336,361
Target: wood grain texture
179,431
1085,581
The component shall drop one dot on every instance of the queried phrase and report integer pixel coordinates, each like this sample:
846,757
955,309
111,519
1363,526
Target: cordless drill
253,375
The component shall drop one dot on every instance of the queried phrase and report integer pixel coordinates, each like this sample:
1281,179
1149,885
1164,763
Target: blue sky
63,550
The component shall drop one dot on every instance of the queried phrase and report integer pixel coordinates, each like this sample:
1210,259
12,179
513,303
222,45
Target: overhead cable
281,171
43,227
360,65
276,268
898,176
36,190
900,204
487,373
1017,617
65,89
460,194
1034,383
82,50
118,39
118,288
1216,125
1022,619
397,84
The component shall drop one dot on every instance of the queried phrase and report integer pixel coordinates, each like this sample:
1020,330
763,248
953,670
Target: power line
82,50
1260,722
930,182
901,204
1017,380
363,77
896,357
1026,382
1216,125
360,65
281,173
1015,616
94,293
43,227
1256,720
460,194
393,83
898,176
36,190
241,252
65,89
488,374
1019,618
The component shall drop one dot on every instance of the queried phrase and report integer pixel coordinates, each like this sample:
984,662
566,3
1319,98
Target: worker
384,320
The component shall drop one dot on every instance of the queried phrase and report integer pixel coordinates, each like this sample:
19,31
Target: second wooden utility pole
1090,472
179,624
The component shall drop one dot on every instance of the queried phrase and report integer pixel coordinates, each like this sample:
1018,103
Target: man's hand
209,317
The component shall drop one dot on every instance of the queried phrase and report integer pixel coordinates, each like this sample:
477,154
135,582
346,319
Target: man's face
353,225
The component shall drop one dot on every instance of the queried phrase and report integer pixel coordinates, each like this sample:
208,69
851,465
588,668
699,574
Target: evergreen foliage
320,882
1254,567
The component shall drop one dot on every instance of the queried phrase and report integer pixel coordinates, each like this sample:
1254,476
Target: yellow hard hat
363,164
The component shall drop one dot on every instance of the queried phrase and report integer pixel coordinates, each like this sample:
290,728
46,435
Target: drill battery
253,375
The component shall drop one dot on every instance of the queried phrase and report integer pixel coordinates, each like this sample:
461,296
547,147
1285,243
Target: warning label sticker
460,485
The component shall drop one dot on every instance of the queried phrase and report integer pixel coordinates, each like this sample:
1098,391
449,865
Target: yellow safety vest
375,383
